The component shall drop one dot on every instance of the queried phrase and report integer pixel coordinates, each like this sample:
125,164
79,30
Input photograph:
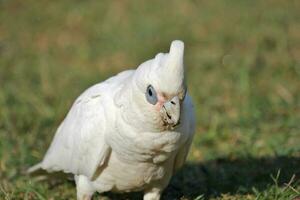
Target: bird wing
187,128
79,145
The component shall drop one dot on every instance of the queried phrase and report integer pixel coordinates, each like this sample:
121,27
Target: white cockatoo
128,133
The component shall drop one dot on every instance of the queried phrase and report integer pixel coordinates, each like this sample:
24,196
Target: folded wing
79,145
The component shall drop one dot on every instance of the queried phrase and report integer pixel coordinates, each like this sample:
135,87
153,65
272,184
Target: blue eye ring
151,95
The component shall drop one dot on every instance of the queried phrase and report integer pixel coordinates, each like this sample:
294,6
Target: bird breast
153,147
138,158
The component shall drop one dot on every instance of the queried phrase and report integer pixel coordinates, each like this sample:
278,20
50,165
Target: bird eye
151,95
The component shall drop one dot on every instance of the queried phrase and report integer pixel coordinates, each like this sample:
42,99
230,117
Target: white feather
80,145
113,140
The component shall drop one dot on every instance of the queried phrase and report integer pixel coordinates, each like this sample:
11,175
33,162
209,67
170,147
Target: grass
243,69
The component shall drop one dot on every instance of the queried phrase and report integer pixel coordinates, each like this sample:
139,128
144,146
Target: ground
242,68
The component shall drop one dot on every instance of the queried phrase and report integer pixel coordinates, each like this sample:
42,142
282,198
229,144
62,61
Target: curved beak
171,111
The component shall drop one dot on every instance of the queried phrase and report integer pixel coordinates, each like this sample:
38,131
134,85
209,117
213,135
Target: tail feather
34,168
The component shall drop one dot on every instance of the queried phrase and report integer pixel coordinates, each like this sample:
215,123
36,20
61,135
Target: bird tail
34,168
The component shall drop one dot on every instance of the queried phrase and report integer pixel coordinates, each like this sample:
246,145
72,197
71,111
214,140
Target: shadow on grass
225,175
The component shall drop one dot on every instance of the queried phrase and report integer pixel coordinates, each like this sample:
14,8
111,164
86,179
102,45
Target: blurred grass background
243,69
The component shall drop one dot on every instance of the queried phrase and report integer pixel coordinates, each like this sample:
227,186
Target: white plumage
128,133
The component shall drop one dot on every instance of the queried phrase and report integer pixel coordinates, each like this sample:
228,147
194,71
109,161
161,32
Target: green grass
243,69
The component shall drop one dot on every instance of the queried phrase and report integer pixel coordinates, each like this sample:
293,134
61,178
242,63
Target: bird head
161,89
